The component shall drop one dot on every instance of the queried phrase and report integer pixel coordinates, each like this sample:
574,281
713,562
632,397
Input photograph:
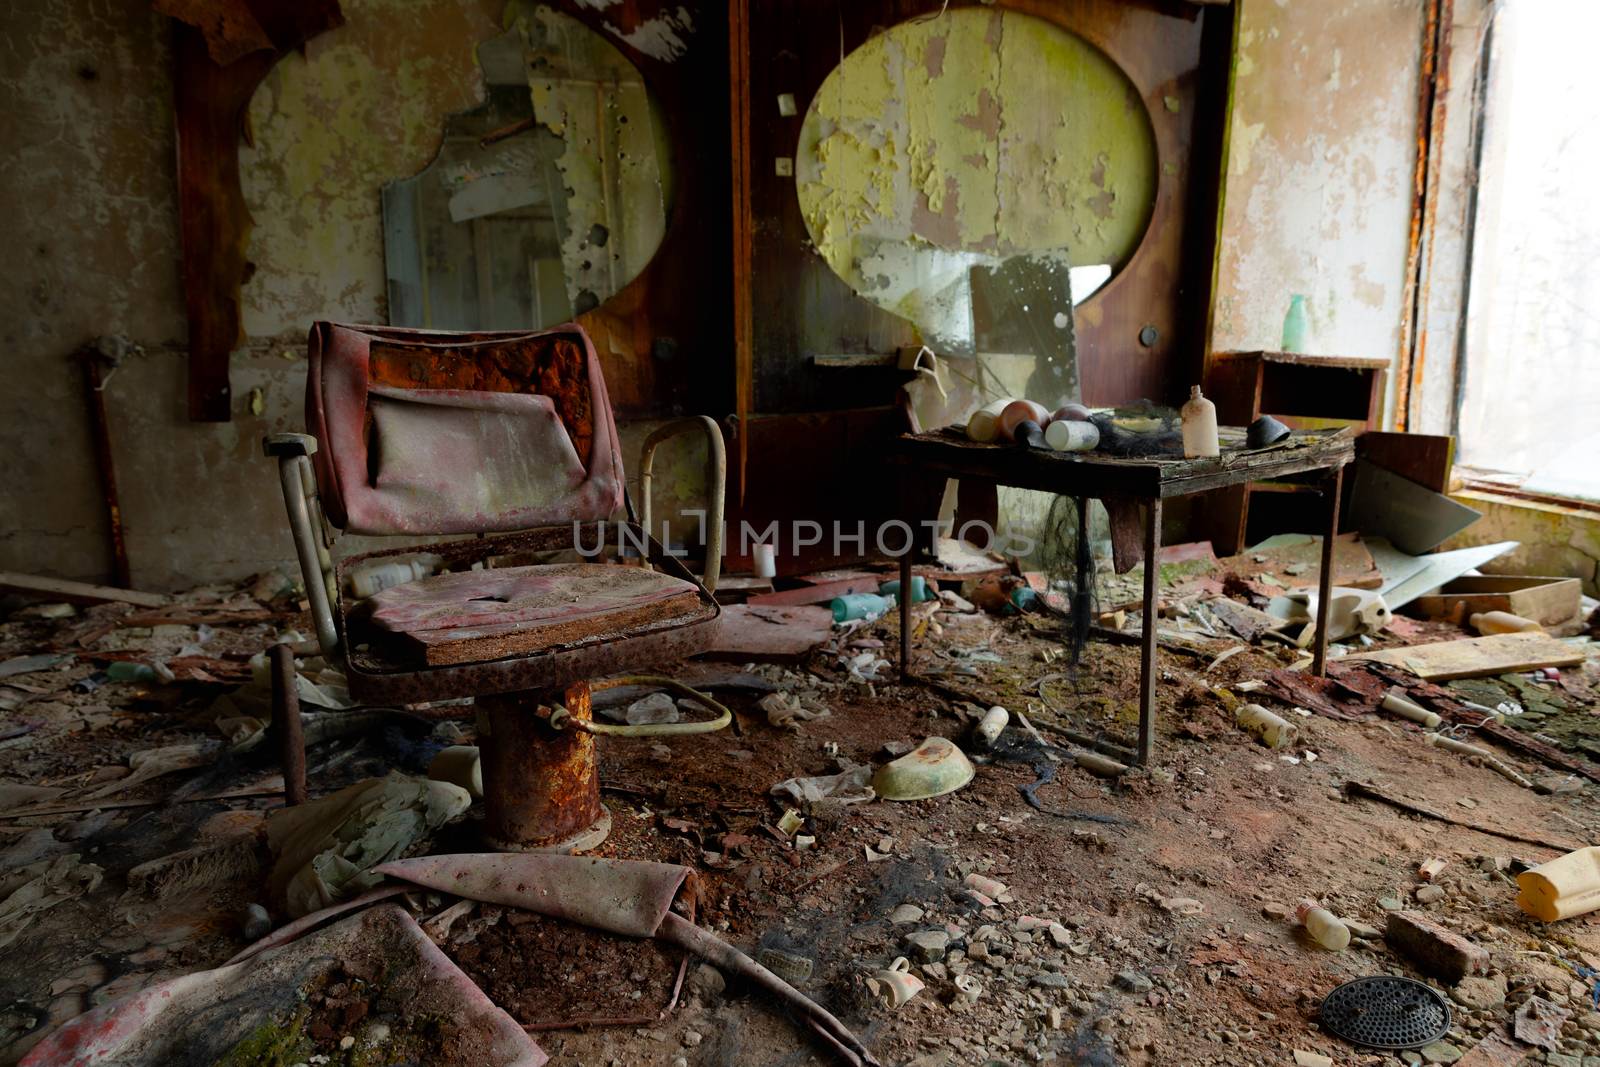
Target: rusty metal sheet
548,364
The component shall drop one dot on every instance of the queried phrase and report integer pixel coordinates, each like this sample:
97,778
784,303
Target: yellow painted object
1325,928
1503,622
932,769
1563,887
1271,730
983,426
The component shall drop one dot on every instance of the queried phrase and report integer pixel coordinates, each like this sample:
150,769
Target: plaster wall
87,187
1556,541
1317,201
1318,190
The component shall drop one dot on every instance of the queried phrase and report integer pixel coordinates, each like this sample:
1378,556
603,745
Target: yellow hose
560,718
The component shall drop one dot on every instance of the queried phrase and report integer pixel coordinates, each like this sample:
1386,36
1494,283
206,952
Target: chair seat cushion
475,616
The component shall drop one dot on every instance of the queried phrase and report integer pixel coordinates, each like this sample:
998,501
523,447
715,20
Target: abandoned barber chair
507,441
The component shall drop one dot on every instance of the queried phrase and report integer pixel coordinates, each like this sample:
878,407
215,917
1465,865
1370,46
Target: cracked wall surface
88,187
1317,202
544,201
1556,541
366,104
1320,158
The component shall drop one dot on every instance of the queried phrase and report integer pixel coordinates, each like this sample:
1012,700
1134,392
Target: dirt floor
1143,920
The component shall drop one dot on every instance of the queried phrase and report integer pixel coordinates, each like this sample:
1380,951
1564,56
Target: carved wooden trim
221,53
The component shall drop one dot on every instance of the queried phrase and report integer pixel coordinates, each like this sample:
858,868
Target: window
1529,410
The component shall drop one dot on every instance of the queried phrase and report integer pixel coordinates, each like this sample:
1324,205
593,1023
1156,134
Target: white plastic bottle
1199,426
1272,730
1068,436
375,577
1503,622
991,726
983,425
1325,928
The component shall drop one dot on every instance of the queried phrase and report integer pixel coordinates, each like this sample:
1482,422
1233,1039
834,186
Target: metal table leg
1080,583
286,725
1147,639
1319,649
905,616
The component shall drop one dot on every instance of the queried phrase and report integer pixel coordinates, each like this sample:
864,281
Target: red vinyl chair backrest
431,432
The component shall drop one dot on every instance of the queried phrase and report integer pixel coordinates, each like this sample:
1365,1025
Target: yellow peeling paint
1243,64
362,105
1243,144
983,132
586,92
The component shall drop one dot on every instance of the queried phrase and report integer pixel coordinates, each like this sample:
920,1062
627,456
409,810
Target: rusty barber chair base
541,783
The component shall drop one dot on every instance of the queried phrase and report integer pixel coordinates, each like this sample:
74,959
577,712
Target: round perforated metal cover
1386,1012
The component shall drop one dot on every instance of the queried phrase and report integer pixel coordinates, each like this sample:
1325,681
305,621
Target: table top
1096,474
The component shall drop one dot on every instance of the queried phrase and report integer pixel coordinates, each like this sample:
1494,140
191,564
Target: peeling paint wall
1556,541
1442,313
966,138
545,200
1318,189
88,188
365,105
586,92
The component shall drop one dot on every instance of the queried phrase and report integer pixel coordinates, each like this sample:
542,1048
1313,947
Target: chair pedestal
541,786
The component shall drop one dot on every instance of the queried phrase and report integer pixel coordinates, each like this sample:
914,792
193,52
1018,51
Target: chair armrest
299,482
281,445
716,483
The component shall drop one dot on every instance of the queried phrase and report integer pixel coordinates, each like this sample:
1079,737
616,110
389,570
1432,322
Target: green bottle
1296,325
128,671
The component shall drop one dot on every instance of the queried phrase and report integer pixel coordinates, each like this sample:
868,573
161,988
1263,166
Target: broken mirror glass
542,202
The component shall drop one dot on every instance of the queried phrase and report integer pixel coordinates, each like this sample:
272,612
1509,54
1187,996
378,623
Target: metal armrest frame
293,452
716,483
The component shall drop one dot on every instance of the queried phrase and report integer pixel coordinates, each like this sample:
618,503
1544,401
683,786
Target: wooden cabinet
1307,393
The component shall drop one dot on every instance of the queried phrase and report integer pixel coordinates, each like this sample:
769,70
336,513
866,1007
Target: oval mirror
542,202
979,157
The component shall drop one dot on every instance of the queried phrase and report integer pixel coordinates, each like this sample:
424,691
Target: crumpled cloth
325,851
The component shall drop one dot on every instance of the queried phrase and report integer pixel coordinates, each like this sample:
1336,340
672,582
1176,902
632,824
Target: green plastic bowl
932,769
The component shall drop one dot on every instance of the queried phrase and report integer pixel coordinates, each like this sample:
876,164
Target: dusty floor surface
1172,889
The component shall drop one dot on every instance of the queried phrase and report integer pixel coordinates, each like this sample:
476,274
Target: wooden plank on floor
770,634
1294,560
819,593
75,592
1476,657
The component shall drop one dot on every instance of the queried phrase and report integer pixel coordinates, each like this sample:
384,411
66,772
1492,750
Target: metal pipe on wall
95,356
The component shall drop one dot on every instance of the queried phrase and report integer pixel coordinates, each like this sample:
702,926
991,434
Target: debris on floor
969,867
